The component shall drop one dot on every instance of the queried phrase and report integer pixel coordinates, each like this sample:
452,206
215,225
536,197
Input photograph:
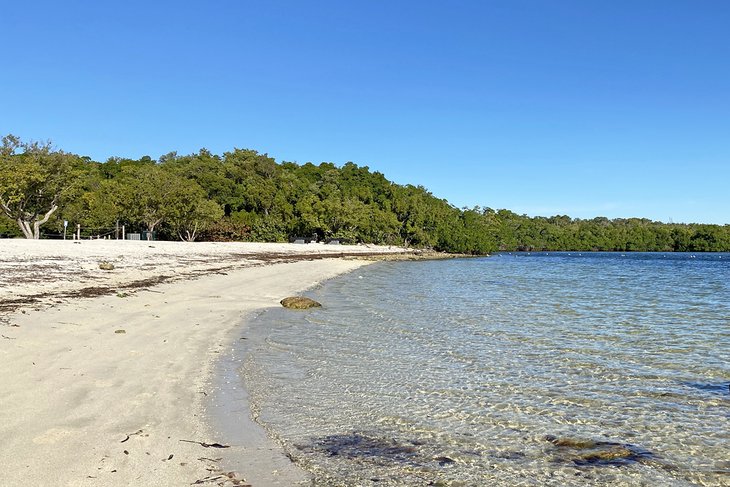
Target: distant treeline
243,195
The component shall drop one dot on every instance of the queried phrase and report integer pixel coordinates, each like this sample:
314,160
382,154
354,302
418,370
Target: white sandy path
72,389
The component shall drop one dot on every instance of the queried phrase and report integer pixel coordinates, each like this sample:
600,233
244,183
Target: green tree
151,195
189,211
34,180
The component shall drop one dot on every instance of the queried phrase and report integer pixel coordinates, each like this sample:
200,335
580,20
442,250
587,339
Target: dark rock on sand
299,302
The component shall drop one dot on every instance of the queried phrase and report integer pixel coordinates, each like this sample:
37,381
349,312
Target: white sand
73,389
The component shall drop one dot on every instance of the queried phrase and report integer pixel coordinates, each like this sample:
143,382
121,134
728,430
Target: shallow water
460,372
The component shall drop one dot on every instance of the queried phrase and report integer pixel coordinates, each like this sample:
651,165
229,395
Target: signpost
65,225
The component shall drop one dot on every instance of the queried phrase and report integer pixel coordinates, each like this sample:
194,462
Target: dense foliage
245,195
34,179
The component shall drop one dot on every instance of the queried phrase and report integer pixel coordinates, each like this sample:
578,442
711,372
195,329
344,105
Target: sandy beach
109,375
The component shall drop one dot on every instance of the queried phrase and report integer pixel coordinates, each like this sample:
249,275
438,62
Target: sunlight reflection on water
457,372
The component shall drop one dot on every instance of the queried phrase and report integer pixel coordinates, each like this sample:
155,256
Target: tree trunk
34,232
37,224
190,234
25,227
151,228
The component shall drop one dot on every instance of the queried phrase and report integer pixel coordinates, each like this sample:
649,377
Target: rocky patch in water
581,452
376,449
299,302
357,445
718,388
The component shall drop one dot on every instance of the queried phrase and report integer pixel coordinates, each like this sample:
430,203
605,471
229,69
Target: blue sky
586,108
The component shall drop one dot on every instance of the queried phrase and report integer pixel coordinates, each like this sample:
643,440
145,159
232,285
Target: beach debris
211,478
168,458
299,302
233,476
123,295
7,337
126,452
582,451
90,292
151,291
207,445
106,266
120,331
225,477
139,432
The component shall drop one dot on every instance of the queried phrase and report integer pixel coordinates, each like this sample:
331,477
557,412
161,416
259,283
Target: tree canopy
248,196
34,180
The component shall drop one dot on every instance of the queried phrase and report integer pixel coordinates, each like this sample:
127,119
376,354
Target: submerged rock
443,461
606,455
709,387
299,302
571,442
581,451
356,445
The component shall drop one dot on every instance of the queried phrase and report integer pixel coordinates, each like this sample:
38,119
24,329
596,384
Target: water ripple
456,372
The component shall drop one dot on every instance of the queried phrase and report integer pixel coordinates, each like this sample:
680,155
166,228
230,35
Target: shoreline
118,389
229,410
229,415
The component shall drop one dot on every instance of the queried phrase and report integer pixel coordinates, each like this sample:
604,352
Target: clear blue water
460,372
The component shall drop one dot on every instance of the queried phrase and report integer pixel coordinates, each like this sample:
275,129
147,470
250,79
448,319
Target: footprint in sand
51,436
103,383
